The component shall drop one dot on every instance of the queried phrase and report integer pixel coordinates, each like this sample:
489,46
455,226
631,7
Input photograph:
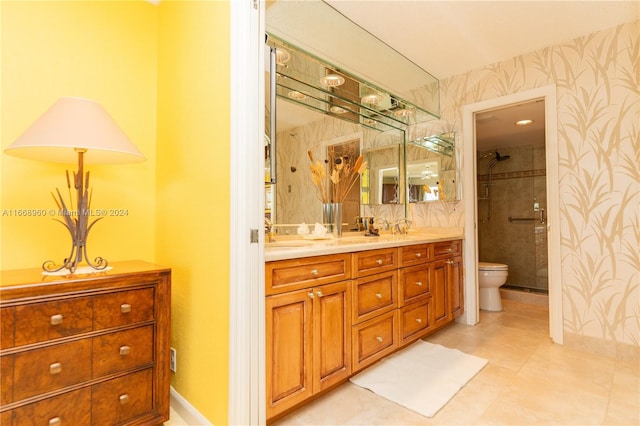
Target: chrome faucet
385,223
402,226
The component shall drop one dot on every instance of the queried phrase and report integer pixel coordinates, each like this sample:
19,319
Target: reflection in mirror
431,169
381,182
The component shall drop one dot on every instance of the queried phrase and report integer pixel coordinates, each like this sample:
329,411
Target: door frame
472,309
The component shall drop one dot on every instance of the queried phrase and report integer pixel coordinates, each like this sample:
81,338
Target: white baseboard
188,412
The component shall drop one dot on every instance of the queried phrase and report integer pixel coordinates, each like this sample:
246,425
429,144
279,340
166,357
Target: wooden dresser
85,349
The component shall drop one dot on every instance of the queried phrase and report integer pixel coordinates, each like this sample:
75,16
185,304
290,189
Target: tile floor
529,381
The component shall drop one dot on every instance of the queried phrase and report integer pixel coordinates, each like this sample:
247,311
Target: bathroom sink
288,244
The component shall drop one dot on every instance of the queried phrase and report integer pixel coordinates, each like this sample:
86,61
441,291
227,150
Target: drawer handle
379,339
449,248
419,320
55,368
449,262
419,283
124,398
379,295
418,254
125,350
125,308
311,295
56,319
314,272
319,293
55,421
379,261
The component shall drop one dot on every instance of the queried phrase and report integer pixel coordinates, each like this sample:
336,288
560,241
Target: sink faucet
403,226
385,223
268,230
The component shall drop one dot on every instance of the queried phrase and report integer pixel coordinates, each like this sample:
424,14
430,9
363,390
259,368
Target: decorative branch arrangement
344,173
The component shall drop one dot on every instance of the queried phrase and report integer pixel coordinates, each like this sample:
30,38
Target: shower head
502,157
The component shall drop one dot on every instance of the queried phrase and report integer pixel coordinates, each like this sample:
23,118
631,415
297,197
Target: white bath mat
422,377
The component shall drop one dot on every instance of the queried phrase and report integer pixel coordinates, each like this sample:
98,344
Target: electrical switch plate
536,207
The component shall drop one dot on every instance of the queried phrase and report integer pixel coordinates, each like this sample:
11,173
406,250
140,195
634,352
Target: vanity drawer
6,327
122,350
6,379
374,339
122,399
73,408
39,322
123,308
414,319
54,367
414,283
447,248
374,295
415,255
294,274
6,418
375,261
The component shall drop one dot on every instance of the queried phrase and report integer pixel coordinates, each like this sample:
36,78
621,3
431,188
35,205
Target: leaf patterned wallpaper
597,77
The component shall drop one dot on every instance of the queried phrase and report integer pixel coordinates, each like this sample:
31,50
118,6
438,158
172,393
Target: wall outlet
172,359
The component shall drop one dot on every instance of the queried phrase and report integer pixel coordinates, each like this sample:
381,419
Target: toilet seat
488,266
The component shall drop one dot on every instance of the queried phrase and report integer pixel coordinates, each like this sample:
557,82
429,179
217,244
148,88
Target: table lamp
76,128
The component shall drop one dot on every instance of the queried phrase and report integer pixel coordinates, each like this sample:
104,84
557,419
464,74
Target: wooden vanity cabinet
447,282
86,349
308,346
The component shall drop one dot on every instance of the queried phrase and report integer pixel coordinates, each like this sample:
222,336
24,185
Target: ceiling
447,38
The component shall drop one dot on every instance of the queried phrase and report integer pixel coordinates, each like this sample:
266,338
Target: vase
332,218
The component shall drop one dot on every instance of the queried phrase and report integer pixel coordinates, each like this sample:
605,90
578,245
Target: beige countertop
292,247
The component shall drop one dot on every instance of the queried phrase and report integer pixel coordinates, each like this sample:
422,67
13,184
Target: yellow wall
105,51
193,194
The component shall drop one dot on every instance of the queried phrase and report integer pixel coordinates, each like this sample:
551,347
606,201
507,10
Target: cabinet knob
125,308
319,293
55,421
449,248
311,295
379,261
418,254
55,368
419,320
379,339
125,350
449,262
314,272
124,398
379,295
419,283
56,319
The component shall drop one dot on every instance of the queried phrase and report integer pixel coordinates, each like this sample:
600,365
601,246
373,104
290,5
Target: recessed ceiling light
294,94
337,110
403,112
282,56
370,121
332,80
525,122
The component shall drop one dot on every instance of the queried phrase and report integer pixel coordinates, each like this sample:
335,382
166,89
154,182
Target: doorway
552,213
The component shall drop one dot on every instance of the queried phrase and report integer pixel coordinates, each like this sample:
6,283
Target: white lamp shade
75,123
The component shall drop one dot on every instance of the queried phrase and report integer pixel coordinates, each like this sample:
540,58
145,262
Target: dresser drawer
6,327
375,261
52,320
447,248
294,274
6,379
6,418
73,408
374,295
414,319
122,399
51,368
123,308
415,255
122,350
414,283
374,339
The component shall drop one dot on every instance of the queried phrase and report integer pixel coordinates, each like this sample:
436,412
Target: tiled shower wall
516,185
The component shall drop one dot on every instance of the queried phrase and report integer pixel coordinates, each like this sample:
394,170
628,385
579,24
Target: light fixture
372,99
282,56
76,128
524,122
404,112
294,94
337,110
332,80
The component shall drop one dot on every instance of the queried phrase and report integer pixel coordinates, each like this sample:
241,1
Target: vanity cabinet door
455,285
288,350
439,293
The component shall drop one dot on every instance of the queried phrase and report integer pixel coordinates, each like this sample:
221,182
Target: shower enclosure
511,214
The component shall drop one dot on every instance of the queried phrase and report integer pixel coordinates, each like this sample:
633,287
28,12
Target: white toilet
490,277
